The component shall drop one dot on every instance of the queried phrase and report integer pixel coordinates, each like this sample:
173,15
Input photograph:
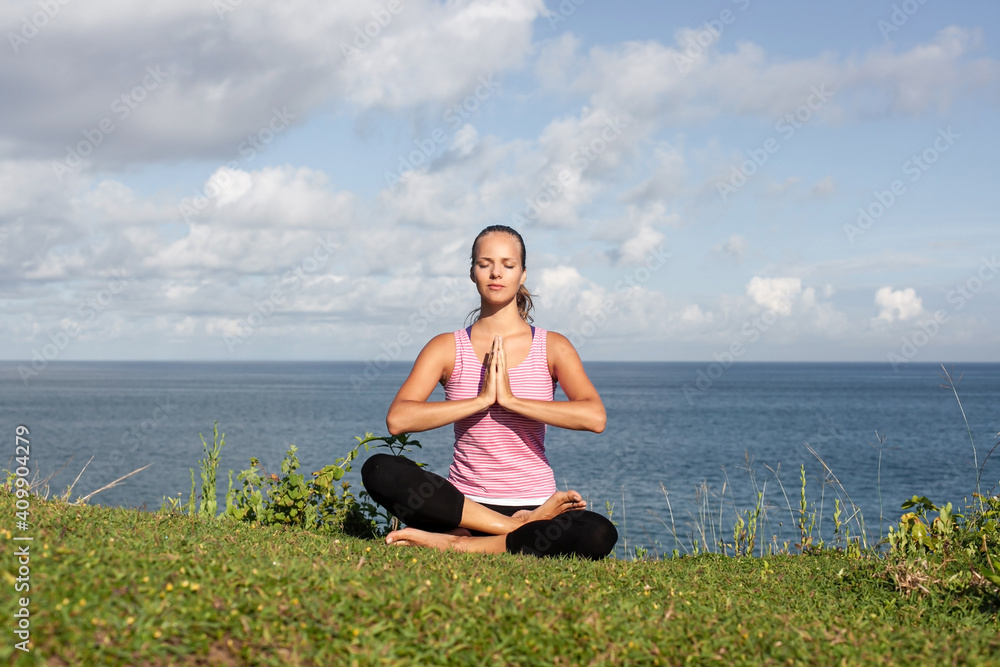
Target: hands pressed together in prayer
496,384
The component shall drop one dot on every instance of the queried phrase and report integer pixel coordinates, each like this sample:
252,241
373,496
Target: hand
489,390
504,396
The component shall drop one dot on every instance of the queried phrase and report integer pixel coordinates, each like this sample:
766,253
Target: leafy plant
951,550
209,467
318,504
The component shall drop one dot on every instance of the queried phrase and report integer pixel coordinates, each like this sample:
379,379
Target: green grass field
112,586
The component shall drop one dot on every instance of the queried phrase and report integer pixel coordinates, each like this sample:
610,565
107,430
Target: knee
376,471
598,536
604,537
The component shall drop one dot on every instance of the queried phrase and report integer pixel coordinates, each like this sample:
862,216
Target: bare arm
584,411
411,412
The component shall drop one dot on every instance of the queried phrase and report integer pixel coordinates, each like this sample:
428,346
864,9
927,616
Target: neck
503,321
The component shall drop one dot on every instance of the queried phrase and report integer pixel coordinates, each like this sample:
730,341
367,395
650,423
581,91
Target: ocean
687,448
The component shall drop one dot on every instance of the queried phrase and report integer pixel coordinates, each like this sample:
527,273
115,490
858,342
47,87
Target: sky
731,181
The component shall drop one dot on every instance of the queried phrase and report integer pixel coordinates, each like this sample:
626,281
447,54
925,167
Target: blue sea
688,446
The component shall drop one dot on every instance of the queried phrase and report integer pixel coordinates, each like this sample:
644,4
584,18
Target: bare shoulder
437,359
559,347
567,368
443,342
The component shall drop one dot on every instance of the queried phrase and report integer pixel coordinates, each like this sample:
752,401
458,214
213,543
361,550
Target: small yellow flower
169,587
195,587
185,583
82,602
145,580
157,634
356,632
130,620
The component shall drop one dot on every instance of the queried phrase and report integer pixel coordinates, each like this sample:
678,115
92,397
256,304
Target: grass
114,586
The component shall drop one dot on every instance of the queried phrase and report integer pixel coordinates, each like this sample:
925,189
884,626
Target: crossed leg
438,515
483,519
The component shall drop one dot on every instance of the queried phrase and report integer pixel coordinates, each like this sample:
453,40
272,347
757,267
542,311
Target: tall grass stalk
624,521
953,385
777,477
857,516
673,528
880,437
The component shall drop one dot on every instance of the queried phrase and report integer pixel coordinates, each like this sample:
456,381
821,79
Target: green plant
805,525
951,551
324,503
209,468
917,534
745,530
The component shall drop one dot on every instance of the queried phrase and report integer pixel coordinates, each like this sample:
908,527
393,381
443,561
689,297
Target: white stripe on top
500,455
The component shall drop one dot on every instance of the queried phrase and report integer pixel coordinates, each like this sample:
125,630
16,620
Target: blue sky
230,181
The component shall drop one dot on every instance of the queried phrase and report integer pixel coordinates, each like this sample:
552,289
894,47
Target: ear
524,276
472,274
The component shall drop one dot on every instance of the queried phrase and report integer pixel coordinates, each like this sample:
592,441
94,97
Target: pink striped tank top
500,455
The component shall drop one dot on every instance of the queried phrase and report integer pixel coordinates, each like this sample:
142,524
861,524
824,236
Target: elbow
600,421
392,424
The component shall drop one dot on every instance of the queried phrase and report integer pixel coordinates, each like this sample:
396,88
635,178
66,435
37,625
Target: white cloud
693,315
220,79
667,180
392,251
901,304
776,294
644,78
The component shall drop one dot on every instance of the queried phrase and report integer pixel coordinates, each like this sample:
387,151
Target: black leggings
426,501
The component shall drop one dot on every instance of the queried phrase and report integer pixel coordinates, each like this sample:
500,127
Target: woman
500,494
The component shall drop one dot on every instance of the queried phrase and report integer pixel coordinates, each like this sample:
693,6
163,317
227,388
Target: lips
495,287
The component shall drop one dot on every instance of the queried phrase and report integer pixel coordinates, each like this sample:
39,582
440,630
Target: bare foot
558,502
412,537
457,540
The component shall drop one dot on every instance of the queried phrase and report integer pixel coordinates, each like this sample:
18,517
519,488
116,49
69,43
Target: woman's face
497,271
